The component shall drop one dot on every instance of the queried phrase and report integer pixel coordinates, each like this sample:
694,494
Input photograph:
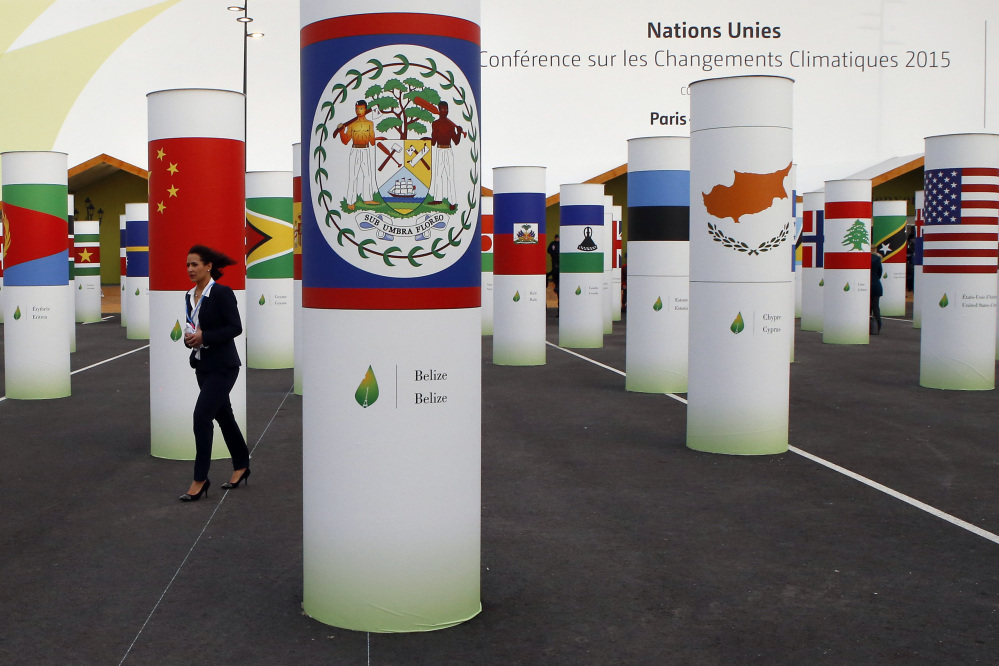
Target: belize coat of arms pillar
296,214
740,282
197,195
270,316
519,266
391,282
36,307
658,264
846,301
957,345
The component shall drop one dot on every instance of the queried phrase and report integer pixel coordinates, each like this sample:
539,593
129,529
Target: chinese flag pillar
519,268
391,288
658,264
846,300
296,212
196,196
36,306
740,281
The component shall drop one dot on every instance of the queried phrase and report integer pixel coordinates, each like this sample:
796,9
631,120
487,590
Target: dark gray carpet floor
604,540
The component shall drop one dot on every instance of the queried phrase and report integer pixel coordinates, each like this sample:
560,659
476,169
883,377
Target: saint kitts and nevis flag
270,238
35,252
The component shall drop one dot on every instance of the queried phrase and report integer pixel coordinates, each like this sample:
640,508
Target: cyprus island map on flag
749,193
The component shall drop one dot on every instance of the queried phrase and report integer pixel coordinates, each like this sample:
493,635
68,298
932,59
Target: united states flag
961,220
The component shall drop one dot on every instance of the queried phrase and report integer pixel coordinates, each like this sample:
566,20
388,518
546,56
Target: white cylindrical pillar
617,248
605,286
740,280
658,264
846,302
792,179
581,266
196,196
487,265
957,348
70,292
519,265
917,264
123,272
890,242
270,316
391,272
812,277
37,302
137,280
296,206
87,270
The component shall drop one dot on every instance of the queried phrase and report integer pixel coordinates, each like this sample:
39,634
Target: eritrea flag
35,235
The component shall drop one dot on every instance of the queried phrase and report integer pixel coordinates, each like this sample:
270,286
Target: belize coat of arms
394,160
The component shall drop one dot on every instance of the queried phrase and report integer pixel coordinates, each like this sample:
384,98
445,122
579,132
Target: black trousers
213,405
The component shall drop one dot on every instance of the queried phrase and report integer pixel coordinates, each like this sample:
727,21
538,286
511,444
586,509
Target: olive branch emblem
369,247
737,245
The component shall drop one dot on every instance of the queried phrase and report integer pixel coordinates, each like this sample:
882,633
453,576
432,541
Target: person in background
877,291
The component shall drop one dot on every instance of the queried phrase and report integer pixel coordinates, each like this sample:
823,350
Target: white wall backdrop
575,119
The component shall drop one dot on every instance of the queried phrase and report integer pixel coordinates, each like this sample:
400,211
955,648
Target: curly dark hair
217,259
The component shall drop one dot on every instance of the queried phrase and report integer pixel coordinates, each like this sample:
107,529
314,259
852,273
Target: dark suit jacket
220,324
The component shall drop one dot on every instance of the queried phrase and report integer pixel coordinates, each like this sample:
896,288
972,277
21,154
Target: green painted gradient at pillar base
39,390
579,341
655,382
519,355
579,262
845,338
940,376
760,443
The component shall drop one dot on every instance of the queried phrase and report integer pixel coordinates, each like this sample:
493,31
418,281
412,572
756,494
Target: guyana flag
270,238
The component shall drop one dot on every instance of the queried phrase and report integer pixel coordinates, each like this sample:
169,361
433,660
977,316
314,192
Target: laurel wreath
718,235
368,247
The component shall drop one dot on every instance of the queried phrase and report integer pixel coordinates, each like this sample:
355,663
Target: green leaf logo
944,302
136,291
658,305
17,312
80,287
738,324
578,291
176,334
884,277
822,282
261,301
367,392
846,287
516,297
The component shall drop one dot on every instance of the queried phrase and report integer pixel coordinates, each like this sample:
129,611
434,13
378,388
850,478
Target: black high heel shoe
229,485
187,497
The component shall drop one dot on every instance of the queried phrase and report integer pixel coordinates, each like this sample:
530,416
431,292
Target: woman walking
213,324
